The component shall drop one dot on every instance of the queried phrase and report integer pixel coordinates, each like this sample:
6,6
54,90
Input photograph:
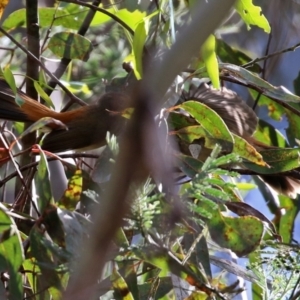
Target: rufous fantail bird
87,126
241,120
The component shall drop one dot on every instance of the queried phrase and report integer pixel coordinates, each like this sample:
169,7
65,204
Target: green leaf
258,289
244,209
268,135
120,286
242,235
230,189
224,160
103,166
161,258
101,18
76,227
178,120
42,123
216,193
293,132
158,288
11,254
138,43
42,93
229,54
77,87
43,186
49,279
15,20
31,270
121,239
276,111
190,166
211,122
70,17
247,151
282,159
54,225
192,133
131,18
209,57
287,220
197,295
245,186
252,15
138,48
242,75
9,78
279,159
70,45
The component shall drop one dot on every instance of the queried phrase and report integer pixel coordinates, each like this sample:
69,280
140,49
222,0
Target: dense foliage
160,212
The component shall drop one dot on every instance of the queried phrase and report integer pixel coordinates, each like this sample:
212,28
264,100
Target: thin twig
159,9
18,171
47,35
295,295
292,173
263,70
21,196
104,11
260,90
34,164
254,61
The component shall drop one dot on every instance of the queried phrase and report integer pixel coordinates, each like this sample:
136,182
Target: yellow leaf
252,15
3,4
73,192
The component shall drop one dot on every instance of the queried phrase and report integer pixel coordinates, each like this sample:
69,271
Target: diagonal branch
37,61
254,61
140,144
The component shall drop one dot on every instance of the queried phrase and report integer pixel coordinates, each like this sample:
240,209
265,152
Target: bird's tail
29,110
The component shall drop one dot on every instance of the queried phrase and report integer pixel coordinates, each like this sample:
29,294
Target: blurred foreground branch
140,141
